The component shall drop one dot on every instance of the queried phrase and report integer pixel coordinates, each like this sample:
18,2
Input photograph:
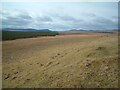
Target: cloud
57,21
98,23
92,21
20,21
70,19
89,14
106,23
45,19
24,16
67,18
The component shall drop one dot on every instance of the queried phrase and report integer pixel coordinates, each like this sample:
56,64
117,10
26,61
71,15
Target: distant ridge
28,29
75,31
81,30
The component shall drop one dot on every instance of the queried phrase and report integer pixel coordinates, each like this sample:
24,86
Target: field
62,61
12,35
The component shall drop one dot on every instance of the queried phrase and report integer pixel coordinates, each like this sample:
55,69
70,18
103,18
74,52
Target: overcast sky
60,15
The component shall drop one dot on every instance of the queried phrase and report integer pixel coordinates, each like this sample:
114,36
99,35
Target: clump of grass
90,54
99,51
100,48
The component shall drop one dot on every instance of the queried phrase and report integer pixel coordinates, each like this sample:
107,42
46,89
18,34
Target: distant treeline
12,35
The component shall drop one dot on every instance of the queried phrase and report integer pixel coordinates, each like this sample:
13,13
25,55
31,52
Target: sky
60,16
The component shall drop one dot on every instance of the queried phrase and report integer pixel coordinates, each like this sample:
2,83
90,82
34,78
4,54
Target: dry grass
66,61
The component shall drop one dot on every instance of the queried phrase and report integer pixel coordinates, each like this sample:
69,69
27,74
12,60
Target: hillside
12,35
63,61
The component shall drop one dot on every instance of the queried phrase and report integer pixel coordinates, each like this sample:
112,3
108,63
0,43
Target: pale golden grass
65,61
0,64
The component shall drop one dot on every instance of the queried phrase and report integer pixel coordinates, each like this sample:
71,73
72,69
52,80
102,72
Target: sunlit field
62,61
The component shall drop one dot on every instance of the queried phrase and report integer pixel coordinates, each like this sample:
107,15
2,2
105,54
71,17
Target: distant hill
28,29
75,31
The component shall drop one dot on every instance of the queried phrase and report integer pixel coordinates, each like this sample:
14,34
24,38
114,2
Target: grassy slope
61,61
12,35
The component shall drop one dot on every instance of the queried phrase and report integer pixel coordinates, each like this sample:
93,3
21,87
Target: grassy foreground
65,61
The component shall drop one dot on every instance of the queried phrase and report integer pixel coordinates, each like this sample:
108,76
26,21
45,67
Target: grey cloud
89,14
57,22
60,27
99,23
115,17
102,20
108,23
70,19
23,16
66,18
3,13
16,21
45,19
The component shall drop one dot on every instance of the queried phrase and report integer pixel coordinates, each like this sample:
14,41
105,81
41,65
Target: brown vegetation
65,61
